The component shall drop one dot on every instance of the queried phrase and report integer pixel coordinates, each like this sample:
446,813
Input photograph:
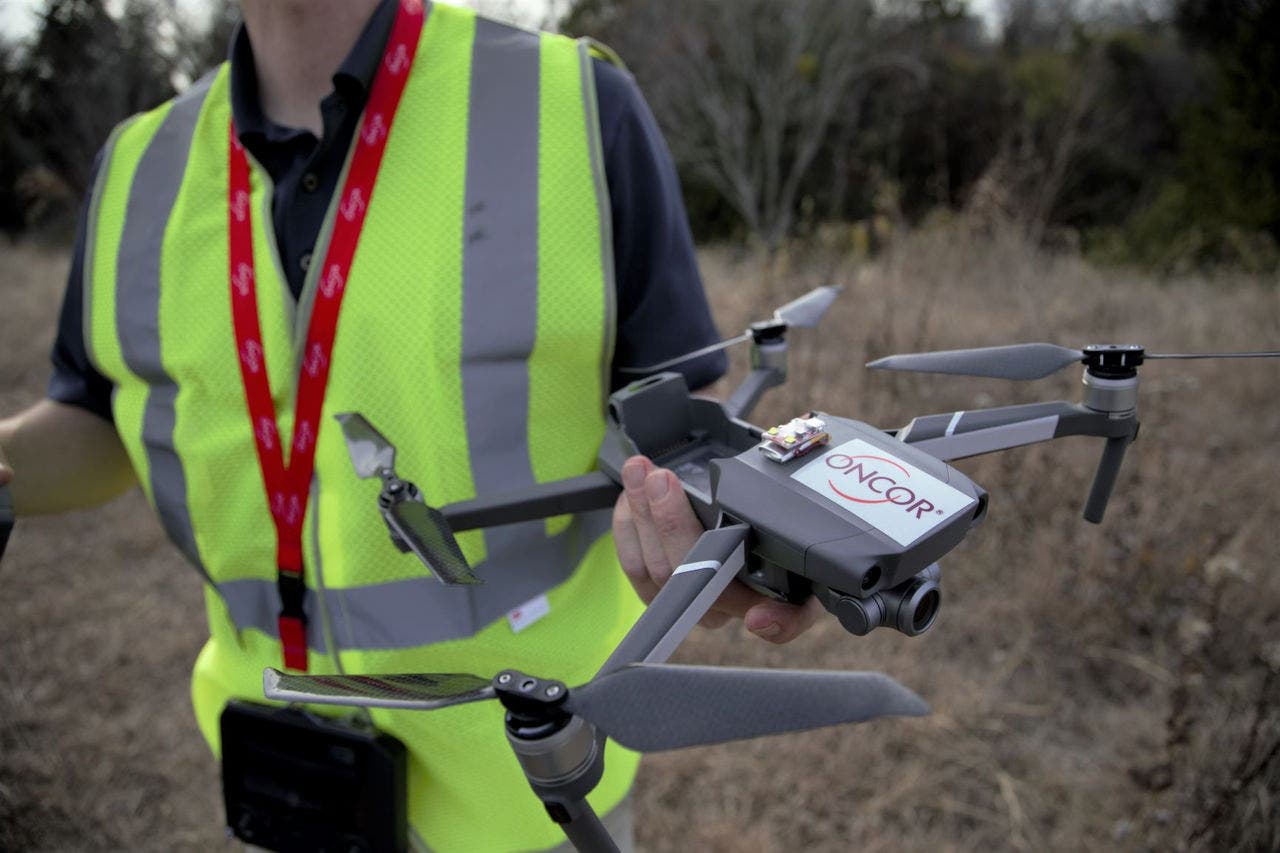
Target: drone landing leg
743,400
1105,478
584,829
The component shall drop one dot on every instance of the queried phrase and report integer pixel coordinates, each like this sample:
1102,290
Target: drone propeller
1034,361
646,707
802,313
654,707
427,533
371,453
808,310
408,692
414,526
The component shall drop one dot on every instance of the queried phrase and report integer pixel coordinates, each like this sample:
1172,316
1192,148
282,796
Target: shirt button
310,182
305,261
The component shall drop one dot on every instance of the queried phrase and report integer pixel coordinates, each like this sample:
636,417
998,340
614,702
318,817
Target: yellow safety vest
476,334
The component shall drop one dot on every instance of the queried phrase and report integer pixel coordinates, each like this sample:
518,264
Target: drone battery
292,781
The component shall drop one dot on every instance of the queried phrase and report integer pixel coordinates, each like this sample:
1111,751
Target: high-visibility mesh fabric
564,434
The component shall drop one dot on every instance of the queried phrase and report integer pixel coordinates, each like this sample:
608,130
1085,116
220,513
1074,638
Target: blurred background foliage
1139,132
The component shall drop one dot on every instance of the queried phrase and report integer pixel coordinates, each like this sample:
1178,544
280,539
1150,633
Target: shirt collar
351,82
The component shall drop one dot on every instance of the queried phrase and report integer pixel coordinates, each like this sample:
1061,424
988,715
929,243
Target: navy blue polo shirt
661,309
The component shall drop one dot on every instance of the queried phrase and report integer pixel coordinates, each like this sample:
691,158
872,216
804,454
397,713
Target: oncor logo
897,498
869,479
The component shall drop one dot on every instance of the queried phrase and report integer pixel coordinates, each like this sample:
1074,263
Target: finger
779,622
627,543
635,474
673,517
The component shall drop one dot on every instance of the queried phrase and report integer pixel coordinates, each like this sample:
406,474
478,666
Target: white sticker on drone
893,496
528,613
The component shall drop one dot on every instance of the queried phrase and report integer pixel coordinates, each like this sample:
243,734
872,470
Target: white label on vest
890,494
528,613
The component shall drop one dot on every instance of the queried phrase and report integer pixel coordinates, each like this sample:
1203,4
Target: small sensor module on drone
795,438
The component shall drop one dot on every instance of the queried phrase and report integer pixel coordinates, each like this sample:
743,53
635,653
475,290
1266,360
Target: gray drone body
863,514
823,506
855,522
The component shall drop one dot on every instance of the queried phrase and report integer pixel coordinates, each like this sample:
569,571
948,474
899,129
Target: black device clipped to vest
295,782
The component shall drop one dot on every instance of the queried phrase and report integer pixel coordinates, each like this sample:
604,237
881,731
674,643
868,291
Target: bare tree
748,91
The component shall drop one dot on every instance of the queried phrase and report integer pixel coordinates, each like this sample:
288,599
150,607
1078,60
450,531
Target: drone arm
768,368
559,497
959,435
694,586
963,434
746,395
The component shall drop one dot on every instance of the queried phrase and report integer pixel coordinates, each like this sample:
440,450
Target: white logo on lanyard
240,206
334,282
251,355
304,437
242,280
353,205
398,61
374,129
316,359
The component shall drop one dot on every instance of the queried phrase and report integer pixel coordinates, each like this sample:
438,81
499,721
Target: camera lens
926,610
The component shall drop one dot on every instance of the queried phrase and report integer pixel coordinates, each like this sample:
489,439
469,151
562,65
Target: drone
823,506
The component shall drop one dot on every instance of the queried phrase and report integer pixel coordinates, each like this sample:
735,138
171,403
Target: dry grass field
1094,687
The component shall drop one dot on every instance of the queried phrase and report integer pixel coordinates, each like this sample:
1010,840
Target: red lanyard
288,487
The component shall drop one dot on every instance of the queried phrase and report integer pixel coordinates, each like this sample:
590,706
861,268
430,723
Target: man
238,281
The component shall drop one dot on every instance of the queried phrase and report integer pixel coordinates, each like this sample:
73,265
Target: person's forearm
61,458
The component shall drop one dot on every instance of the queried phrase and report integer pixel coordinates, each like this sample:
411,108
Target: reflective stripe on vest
137,310
409,613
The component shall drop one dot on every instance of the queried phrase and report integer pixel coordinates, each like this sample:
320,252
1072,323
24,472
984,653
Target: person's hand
654,527
6,473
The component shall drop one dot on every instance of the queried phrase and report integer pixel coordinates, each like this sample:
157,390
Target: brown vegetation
1093,687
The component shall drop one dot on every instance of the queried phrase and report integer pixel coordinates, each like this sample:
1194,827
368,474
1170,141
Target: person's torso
475,333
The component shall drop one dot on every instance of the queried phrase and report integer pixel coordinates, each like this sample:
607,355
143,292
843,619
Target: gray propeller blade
1019,361
806,311
371,453
1213,355
427,533
653,707
421,692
